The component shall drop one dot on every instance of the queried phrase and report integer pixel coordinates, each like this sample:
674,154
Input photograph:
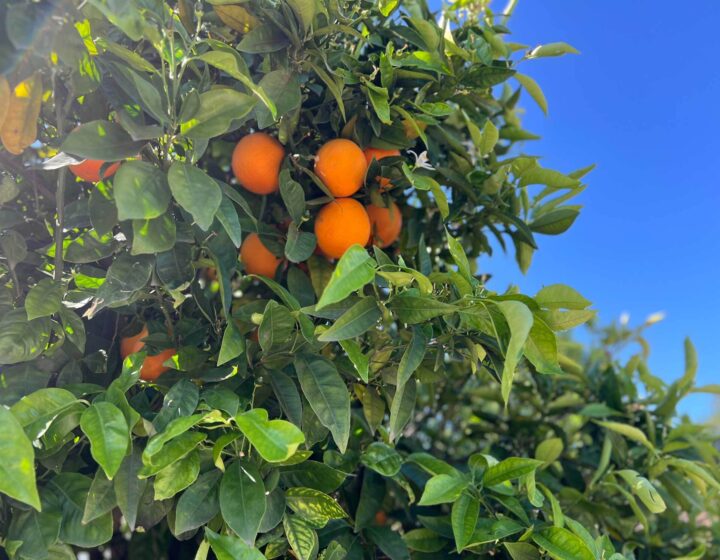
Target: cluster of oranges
341,165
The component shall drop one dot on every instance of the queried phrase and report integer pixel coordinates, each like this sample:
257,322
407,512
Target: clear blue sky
643,102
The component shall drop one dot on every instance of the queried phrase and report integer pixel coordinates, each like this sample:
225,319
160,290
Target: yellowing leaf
19,128
236,17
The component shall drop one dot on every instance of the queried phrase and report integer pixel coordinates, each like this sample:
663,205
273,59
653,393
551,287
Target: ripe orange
340,164
153,367
381,517
256,162
257,258
340,224
386,224
131,344
89,170
378,154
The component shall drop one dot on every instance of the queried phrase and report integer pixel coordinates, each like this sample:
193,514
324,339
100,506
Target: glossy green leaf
354,322
465,512
102,140
231,548
443,488
105,426
17,471
141,191
509,469
195,191
561,544
275,440
354,269
242,499
301,536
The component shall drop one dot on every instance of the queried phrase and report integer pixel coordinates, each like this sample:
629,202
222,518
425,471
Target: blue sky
643,102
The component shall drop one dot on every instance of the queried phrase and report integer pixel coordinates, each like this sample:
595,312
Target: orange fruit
256,162
381,517
257,258
340,164
378,154
90,170
153,367
340,224
386,224
131,344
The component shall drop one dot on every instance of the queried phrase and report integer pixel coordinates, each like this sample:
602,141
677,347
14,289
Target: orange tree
241,309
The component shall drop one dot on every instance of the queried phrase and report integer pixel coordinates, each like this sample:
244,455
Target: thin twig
60,112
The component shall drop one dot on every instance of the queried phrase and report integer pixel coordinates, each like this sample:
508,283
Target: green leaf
382,458
360,361
520,320
195,191
129,488
564,320
354,322
277,326
522,551
283,88
229,60
174,428
102,140
242,499
561,544
198,504
178,476
389,541
644,490
301,536
34,532
549,451
17,468
442,489
536,175
263,39
141,191
465,512
460,258
275,440
231,548
327,395
630,432
532,87
101,497
424,540
541,348
354,269
559,296
105,426
402,408
22,340
221,110
233,344
36,411
126,276
288,396
153,236
293,196
66,493
378,97
44,299
300,245
413,356
491,530
412,309
305,11
335,85
228,217
555,221
508,469
313,506
552,49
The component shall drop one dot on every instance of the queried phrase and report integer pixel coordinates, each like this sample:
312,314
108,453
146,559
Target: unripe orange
341,224
257,258
89,170
256,162
386,224
340,164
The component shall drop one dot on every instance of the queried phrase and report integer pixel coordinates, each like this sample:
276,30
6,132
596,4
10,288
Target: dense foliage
157,400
